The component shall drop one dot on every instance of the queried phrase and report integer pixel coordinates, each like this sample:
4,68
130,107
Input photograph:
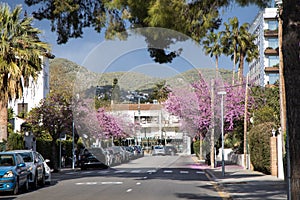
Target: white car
158,150
47,169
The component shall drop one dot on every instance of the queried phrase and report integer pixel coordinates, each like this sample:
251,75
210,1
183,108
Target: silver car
158,150
36,163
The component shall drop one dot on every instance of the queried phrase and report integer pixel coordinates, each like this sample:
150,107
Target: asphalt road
147,178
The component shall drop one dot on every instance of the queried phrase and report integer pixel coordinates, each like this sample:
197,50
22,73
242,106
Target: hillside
63,72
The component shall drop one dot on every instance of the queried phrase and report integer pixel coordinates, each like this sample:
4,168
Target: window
273,42
22,109
273,78
273,60
272,25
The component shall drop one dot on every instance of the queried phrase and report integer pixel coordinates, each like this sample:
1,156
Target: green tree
160,92
20,63
239,44
213,46
54,116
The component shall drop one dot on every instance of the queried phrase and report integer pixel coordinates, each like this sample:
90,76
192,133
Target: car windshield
7,160
27,156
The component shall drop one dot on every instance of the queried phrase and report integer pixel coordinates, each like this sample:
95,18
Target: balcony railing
271,33
271,51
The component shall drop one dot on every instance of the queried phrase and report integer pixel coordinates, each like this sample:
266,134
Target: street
147,178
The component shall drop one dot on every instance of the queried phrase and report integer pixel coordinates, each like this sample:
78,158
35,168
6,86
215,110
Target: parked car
47,169
14,173
36,166
139,150
170,150
93,158
158,150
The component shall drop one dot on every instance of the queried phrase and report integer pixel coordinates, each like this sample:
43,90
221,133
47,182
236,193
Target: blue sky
92,51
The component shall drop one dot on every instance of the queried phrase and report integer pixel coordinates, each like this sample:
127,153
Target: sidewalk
238,183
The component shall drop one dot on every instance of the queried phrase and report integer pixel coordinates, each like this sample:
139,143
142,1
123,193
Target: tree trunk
3,120
241,68
233,69
54,155
290,48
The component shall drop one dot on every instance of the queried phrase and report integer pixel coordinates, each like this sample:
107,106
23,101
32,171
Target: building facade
264,71
32,95
155,125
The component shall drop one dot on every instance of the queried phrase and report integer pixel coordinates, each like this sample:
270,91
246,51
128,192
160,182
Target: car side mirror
21,165
36,160
47,160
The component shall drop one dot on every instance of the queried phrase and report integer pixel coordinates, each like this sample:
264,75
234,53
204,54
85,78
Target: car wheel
16,189
43,181
26,185
35,182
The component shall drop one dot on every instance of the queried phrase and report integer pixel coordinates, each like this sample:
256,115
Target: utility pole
212,136
245,123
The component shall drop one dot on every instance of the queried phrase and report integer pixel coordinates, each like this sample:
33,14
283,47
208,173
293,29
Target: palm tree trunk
241,68
290,49
3,120
233,69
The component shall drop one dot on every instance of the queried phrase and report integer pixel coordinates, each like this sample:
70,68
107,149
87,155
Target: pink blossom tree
193,104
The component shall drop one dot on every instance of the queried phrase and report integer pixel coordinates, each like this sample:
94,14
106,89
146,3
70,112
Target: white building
264,71
156,125
32,95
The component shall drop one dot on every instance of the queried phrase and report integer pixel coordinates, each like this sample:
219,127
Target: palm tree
238,43
20,63
229,41
246,50
213,47
160,92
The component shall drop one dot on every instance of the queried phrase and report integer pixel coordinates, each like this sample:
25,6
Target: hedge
259,146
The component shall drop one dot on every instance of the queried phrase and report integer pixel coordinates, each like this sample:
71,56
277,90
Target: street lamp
222,93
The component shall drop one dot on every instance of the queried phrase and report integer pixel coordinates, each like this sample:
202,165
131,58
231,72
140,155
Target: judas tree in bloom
193,104
98,124
53,116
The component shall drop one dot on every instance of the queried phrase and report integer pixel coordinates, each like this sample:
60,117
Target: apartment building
156,125
264,71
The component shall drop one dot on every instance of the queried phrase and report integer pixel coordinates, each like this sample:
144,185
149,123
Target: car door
39,166
22,169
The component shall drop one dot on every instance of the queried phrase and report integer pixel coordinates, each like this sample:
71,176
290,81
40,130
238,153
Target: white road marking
91,183
168,171
151,171
129,190
138,183
135,171
86,172
102,183
103,172
119,171
200,172
111,183
145,177
184,172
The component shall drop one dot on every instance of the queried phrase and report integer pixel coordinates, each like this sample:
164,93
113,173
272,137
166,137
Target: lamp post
222,93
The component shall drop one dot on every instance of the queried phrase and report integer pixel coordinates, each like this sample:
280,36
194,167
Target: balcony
271,33
273,69
271,51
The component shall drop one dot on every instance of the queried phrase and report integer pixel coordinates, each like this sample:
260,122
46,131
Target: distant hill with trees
66,73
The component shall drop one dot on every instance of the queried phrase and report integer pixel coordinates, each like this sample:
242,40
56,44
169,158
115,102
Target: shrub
259,146
15,141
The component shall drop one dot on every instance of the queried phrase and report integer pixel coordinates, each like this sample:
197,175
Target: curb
217,185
